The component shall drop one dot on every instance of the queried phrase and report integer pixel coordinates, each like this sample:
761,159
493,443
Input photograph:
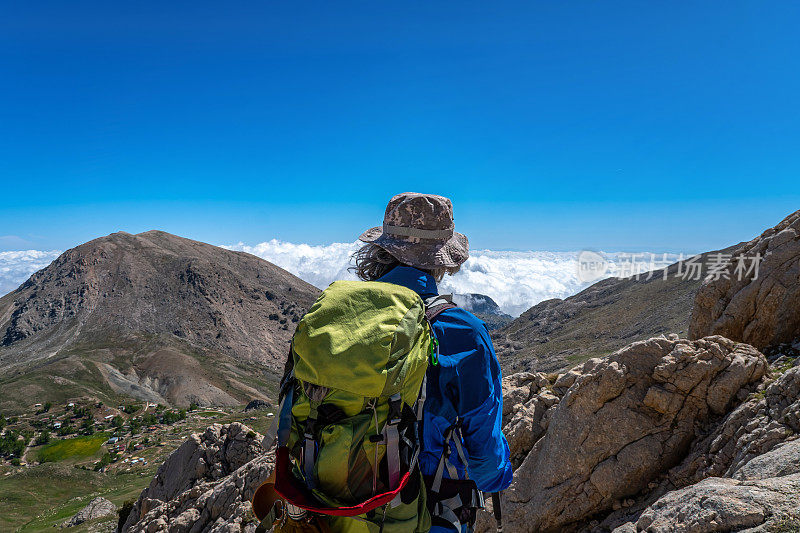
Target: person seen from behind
463,447
391,401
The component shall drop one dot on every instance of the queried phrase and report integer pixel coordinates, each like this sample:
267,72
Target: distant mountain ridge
556,334
484,307
152,315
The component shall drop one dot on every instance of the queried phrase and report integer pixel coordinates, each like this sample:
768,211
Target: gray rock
206,484
782,460
622,422
527,399
97,508
721,505
769,418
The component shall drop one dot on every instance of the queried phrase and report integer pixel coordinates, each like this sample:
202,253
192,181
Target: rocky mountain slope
153,316
556,334
760,311
663,435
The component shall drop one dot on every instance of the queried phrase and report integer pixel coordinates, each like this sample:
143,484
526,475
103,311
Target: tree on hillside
123,512
104,461
170,417
43,438
11,444
87,427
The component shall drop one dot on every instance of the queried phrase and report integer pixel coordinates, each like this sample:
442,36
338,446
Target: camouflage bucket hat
418,230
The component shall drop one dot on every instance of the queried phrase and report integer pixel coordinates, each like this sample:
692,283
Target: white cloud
318,265
515,280
17,266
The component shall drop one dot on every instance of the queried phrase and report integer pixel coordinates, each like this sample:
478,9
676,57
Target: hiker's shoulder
459,315
459,322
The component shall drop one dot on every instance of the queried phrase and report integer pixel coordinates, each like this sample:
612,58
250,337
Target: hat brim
421,253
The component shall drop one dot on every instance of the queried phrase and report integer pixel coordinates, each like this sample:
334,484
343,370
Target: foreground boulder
205,485
616,424
742,476
763,311
740,446
721,505
97,508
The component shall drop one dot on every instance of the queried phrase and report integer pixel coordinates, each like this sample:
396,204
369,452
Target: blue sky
552,125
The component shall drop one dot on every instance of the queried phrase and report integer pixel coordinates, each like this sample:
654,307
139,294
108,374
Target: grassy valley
72,453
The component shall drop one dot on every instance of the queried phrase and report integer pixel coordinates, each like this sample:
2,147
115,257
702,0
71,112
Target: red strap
293,491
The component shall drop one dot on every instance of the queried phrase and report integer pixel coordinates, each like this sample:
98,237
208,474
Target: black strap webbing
498,511
435,305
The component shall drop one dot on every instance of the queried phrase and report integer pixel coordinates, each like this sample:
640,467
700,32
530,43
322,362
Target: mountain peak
134,311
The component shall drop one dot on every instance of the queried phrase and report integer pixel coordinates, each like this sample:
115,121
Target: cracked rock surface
754,441
719,505
618,424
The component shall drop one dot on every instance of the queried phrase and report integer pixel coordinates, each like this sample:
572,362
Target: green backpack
350,422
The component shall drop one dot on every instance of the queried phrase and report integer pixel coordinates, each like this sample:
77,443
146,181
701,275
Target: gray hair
371,262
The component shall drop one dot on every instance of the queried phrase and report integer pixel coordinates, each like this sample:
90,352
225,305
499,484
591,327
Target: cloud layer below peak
515,280
17,266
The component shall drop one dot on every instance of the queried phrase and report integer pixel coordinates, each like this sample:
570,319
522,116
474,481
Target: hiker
388,383
416,247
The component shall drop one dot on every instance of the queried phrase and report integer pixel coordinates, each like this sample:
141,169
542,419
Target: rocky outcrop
740,446
527,398
97,508
742,476
761,310
614,425
721,505
206,484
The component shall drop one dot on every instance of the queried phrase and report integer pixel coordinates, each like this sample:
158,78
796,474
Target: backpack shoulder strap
436,304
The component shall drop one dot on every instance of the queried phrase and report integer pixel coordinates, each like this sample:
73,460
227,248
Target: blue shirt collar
418,281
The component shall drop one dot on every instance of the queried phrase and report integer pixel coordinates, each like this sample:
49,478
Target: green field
37,498
77,447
